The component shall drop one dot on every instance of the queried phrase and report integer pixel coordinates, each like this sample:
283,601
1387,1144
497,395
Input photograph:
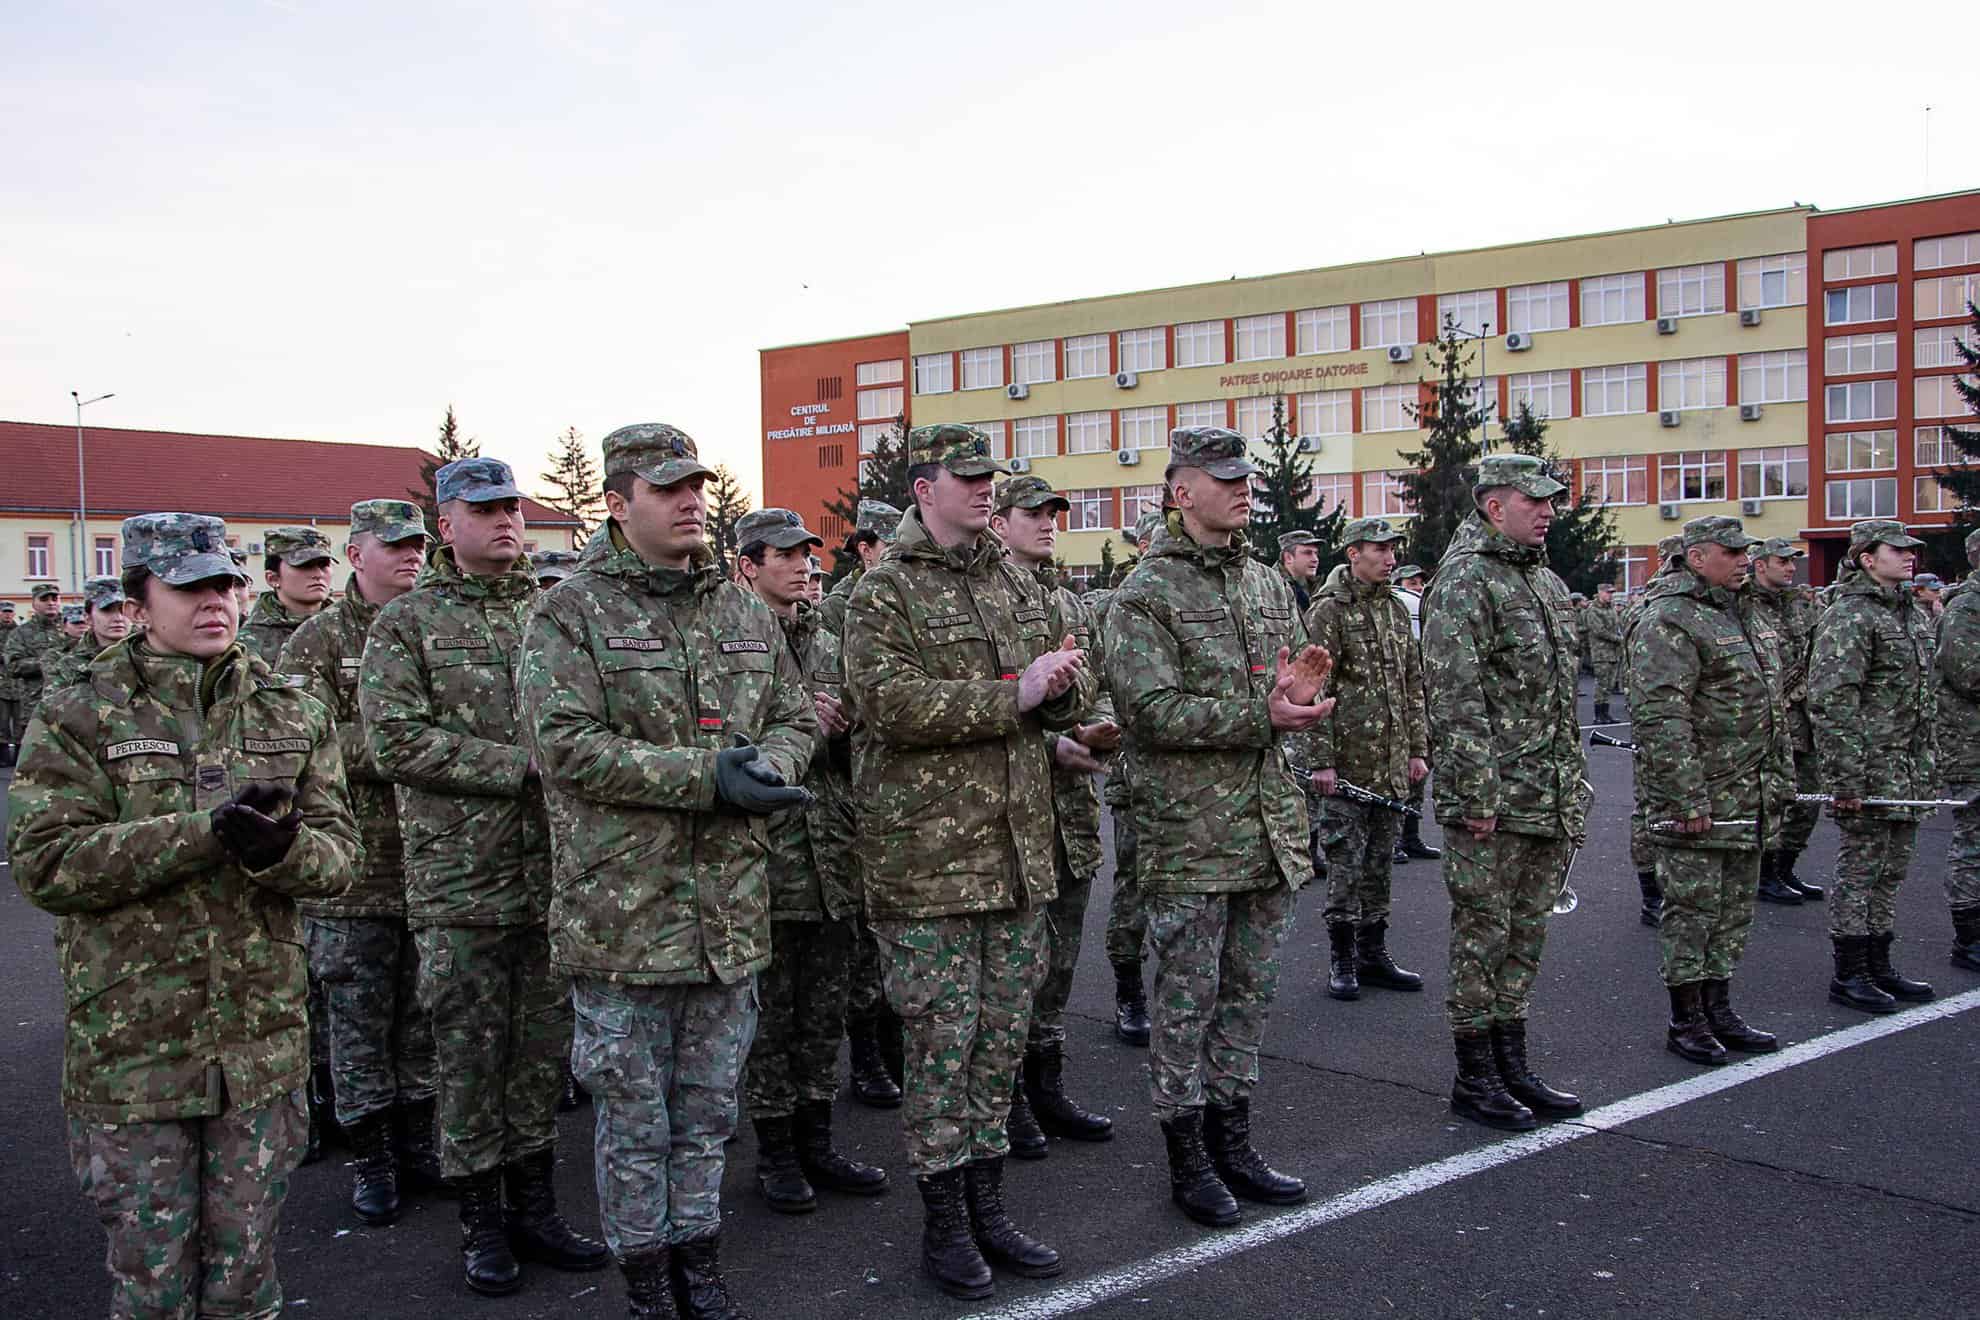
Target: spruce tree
1105,577
575,486
1282,498
1582,540
1945,551
1438,492
450,445
727,503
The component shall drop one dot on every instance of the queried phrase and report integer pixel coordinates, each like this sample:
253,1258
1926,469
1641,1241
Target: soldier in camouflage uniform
169,811
1299,562
437,700
1929,592
9,735
1603,620
1197,659
1958,671
553,566
957,664
107,621
1498,659
793,1069
1025,518
1772,596
360,948
28,647
1127,914
298,563
1708,710
1871,695
1670,553
1376,738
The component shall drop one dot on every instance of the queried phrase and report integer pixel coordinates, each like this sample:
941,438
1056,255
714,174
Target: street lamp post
82,490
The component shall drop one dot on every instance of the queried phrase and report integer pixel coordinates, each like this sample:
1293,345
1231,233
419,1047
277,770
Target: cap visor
398,532
790,538
1908,543
977,467
304,558
1227,469
489,494
673,472
199,568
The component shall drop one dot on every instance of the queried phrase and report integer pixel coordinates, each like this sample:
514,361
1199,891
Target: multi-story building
1684,369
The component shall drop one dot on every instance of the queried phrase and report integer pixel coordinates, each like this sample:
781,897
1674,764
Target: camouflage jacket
1302,592
179,967
324,655
437,697
801,889
1792,617
28,648
832,826
1192,655
1958,671
1076,793
1604,625
832,609
68,664
1499,670
1377,724
268,627
954,783
1871,695
633,678
1705,700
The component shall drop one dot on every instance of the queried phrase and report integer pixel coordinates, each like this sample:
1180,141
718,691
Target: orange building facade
823,404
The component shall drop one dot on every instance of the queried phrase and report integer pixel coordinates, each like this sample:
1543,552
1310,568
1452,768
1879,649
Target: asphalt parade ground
1837,1178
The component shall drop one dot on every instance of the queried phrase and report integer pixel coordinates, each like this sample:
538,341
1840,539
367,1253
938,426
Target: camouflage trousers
962,987
10,714
1708,911
865,996
1502,889
661,1063
1360,841
1799,822
1963,852
1608,676
1127,911
1215,979
191,1208
1870,867
381,1042
803,1015
1065,926
501,1030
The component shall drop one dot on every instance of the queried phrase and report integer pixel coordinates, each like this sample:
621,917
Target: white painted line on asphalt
1216,1246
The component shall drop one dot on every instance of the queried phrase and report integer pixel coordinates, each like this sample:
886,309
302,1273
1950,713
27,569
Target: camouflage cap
781,529
660,454
238,555
1028,493
388,520
44,591
815,565
1145,525
1670,546
553,565
1973,543
75,613
1523,472
1881,531
1577,597
101,591
297,546
1717,529
1404,572
1929,581
1378,530
6,607
1218,450
476,480
1293,540
1778,547
878,517
963,450
179,548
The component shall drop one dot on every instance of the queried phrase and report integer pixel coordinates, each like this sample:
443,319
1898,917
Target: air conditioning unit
1401,352
1309,444
1518,341
254,547
1668,512
1749,508
1020,466
1017,391
1750,412
1667,325
1127,457
1668,417
1126,380
1749,316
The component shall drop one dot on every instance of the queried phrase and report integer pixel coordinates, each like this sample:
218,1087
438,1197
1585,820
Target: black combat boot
8,755
1479,1093
1227,1136
536,1231
948,1249
1730,1029
1689,1036
1412,840
871,1085
1602,715
1001,1241
1342,983
1888,978
1045,1087
700,1291
375,1172
1852,986
1652,913
649,1284
573,1095
1522,1083
486,1260
1372,963
778,1176
1966,938
892,1036
821,1161
1399,855
322,1118
1021,1126
1771,889
419,1156
1130,1004
1813,893
1193,1181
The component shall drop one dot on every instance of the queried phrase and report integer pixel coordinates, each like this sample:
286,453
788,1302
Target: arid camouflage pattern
1217,977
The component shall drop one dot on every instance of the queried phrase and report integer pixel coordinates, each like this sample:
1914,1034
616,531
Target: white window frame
1692,290
881,404
1089,432
1928,496
1201,412
1383,408
1775,377
1337,486
1946,250
1034,362
1253,415
1780,472
1260,338
1549,393
870,434
1089,507
1323,330
1933,345
1035,437
1860,451
1137,500
999,435
1780,280
934,373
1325,412
1085,356
1200,344
40,555
1605,470
1388,323
1381,496
1146,349
1613,299
1145,428
103,554
1471,310
1691,384
1942,296
1863,497
886,372
1935,397
1695,470
1859,355
1861,304
1860,401
1599,384
1537,308
982,368
1932,447
1859,263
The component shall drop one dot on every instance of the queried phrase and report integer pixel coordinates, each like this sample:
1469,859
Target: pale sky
331,220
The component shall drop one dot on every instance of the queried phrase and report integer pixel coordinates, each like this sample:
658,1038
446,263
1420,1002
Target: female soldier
108,623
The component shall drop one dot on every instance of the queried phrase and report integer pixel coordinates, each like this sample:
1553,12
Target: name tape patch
459,643
140,747
745,646
1274,612
275,746
1201,616
635,643
350,664
1029,616
947,620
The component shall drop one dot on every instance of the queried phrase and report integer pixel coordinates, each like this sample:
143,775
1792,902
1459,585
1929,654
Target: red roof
232,476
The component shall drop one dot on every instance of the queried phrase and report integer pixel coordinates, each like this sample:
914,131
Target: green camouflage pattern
1064,930
298,546
68,664
1872,695
1956,671
479,481
1792,614
1870,866
801,1019
879,517
1881,531
1604,626
1127,907
1523,472
268,627
1708,910
1502,889
1360,845
811,880
963,450
101,591
660,454
380,1039
178,548
779,528
30,646
1076,793
1218,450
1028,492
1216,977
388,520
1378,722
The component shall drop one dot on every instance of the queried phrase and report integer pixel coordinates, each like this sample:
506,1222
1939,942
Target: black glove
747,784
247,831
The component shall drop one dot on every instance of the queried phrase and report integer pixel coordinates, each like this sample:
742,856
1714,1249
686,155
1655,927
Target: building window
1330,491
1860,401
1613,391
1948,295
1208,413
1547,393
1617,478
105,556
1928,496
1144,350
1387,323
1859,303
1634,560
871,434
1326,412
37,556
1859,263
1322,330
1774,377
1690,475
1773,474
1938,396
1031,364
1952,250
878,373
1144,428
1691,383
1936,346
876,404
1139,500
1612,299
983,368
1471,312
1692,290
1089,432
999,434
1859,451
1535,307
1200,344
1090,509
934,373
1777,281
1082,577
1086,356
1932,447
1873,497
1036,437
1254,416
1853,355
831,456
1382,494
1260,338
1386,408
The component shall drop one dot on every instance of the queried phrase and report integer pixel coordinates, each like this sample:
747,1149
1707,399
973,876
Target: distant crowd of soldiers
668,829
